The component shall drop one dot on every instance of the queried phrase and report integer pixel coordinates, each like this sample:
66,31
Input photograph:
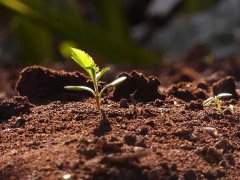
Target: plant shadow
104,126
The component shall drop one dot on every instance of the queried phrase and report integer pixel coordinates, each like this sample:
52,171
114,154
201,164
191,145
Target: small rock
158,102
141,143
150,123
222,144
214,155
187,147
174,167
14,152
19,123
33,144
203,86
194,105
202,150
67,176
237,134
223,163
88,150
230,159
130,139
70,141
112,146
221,172
190,175
225,145
165,166
194,137
123,103
209,175
227,112
184,132
75,165
144,131
212,131
206,118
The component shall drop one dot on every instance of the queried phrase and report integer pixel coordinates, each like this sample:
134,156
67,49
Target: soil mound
186,74
14,107
226,85
141,87
40,84
188,91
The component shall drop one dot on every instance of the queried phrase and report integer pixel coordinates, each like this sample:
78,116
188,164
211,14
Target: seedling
216,99
87,63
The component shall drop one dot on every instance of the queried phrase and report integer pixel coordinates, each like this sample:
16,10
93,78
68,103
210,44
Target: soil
147,128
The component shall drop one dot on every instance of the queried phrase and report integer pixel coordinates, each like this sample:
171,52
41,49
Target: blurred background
135,32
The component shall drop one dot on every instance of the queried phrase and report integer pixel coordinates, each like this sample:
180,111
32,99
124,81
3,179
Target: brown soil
145,131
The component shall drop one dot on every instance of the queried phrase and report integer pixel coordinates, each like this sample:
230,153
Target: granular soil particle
174,137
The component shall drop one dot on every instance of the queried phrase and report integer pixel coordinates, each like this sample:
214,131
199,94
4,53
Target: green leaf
208,101
102,72
224,95
80,88
117,81
114,83
85,61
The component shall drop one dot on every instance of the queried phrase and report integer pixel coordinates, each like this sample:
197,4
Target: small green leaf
85,61
114,83
208,101
224,95
102,72
80,88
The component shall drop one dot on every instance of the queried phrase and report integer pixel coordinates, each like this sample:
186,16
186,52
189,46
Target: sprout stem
98,102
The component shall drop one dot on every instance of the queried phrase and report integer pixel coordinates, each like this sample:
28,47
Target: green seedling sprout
216,99
87,63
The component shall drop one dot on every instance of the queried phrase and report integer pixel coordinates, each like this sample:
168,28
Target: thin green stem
217,100
97,94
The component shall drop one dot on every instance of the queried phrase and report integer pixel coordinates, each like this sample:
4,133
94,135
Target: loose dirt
145,130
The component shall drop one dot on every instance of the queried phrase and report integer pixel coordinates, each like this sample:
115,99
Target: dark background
135,32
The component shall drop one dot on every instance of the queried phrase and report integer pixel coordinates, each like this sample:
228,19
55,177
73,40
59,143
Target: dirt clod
226,85
194,105
158,102
227,112
144,88
20,122
214,155
14,107
123,103
40,84
130,139
186,91
190,174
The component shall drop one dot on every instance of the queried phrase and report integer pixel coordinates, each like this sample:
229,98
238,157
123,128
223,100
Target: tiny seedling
87,63
216,99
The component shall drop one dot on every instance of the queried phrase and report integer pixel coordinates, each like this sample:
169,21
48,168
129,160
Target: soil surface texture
149,127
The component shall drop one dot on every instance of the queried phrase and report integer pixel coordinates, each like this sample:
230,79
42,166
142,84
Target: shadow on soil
104,126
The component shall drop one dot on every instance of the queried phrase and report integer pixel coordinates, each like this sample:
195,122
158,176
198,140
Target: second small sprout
216,99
